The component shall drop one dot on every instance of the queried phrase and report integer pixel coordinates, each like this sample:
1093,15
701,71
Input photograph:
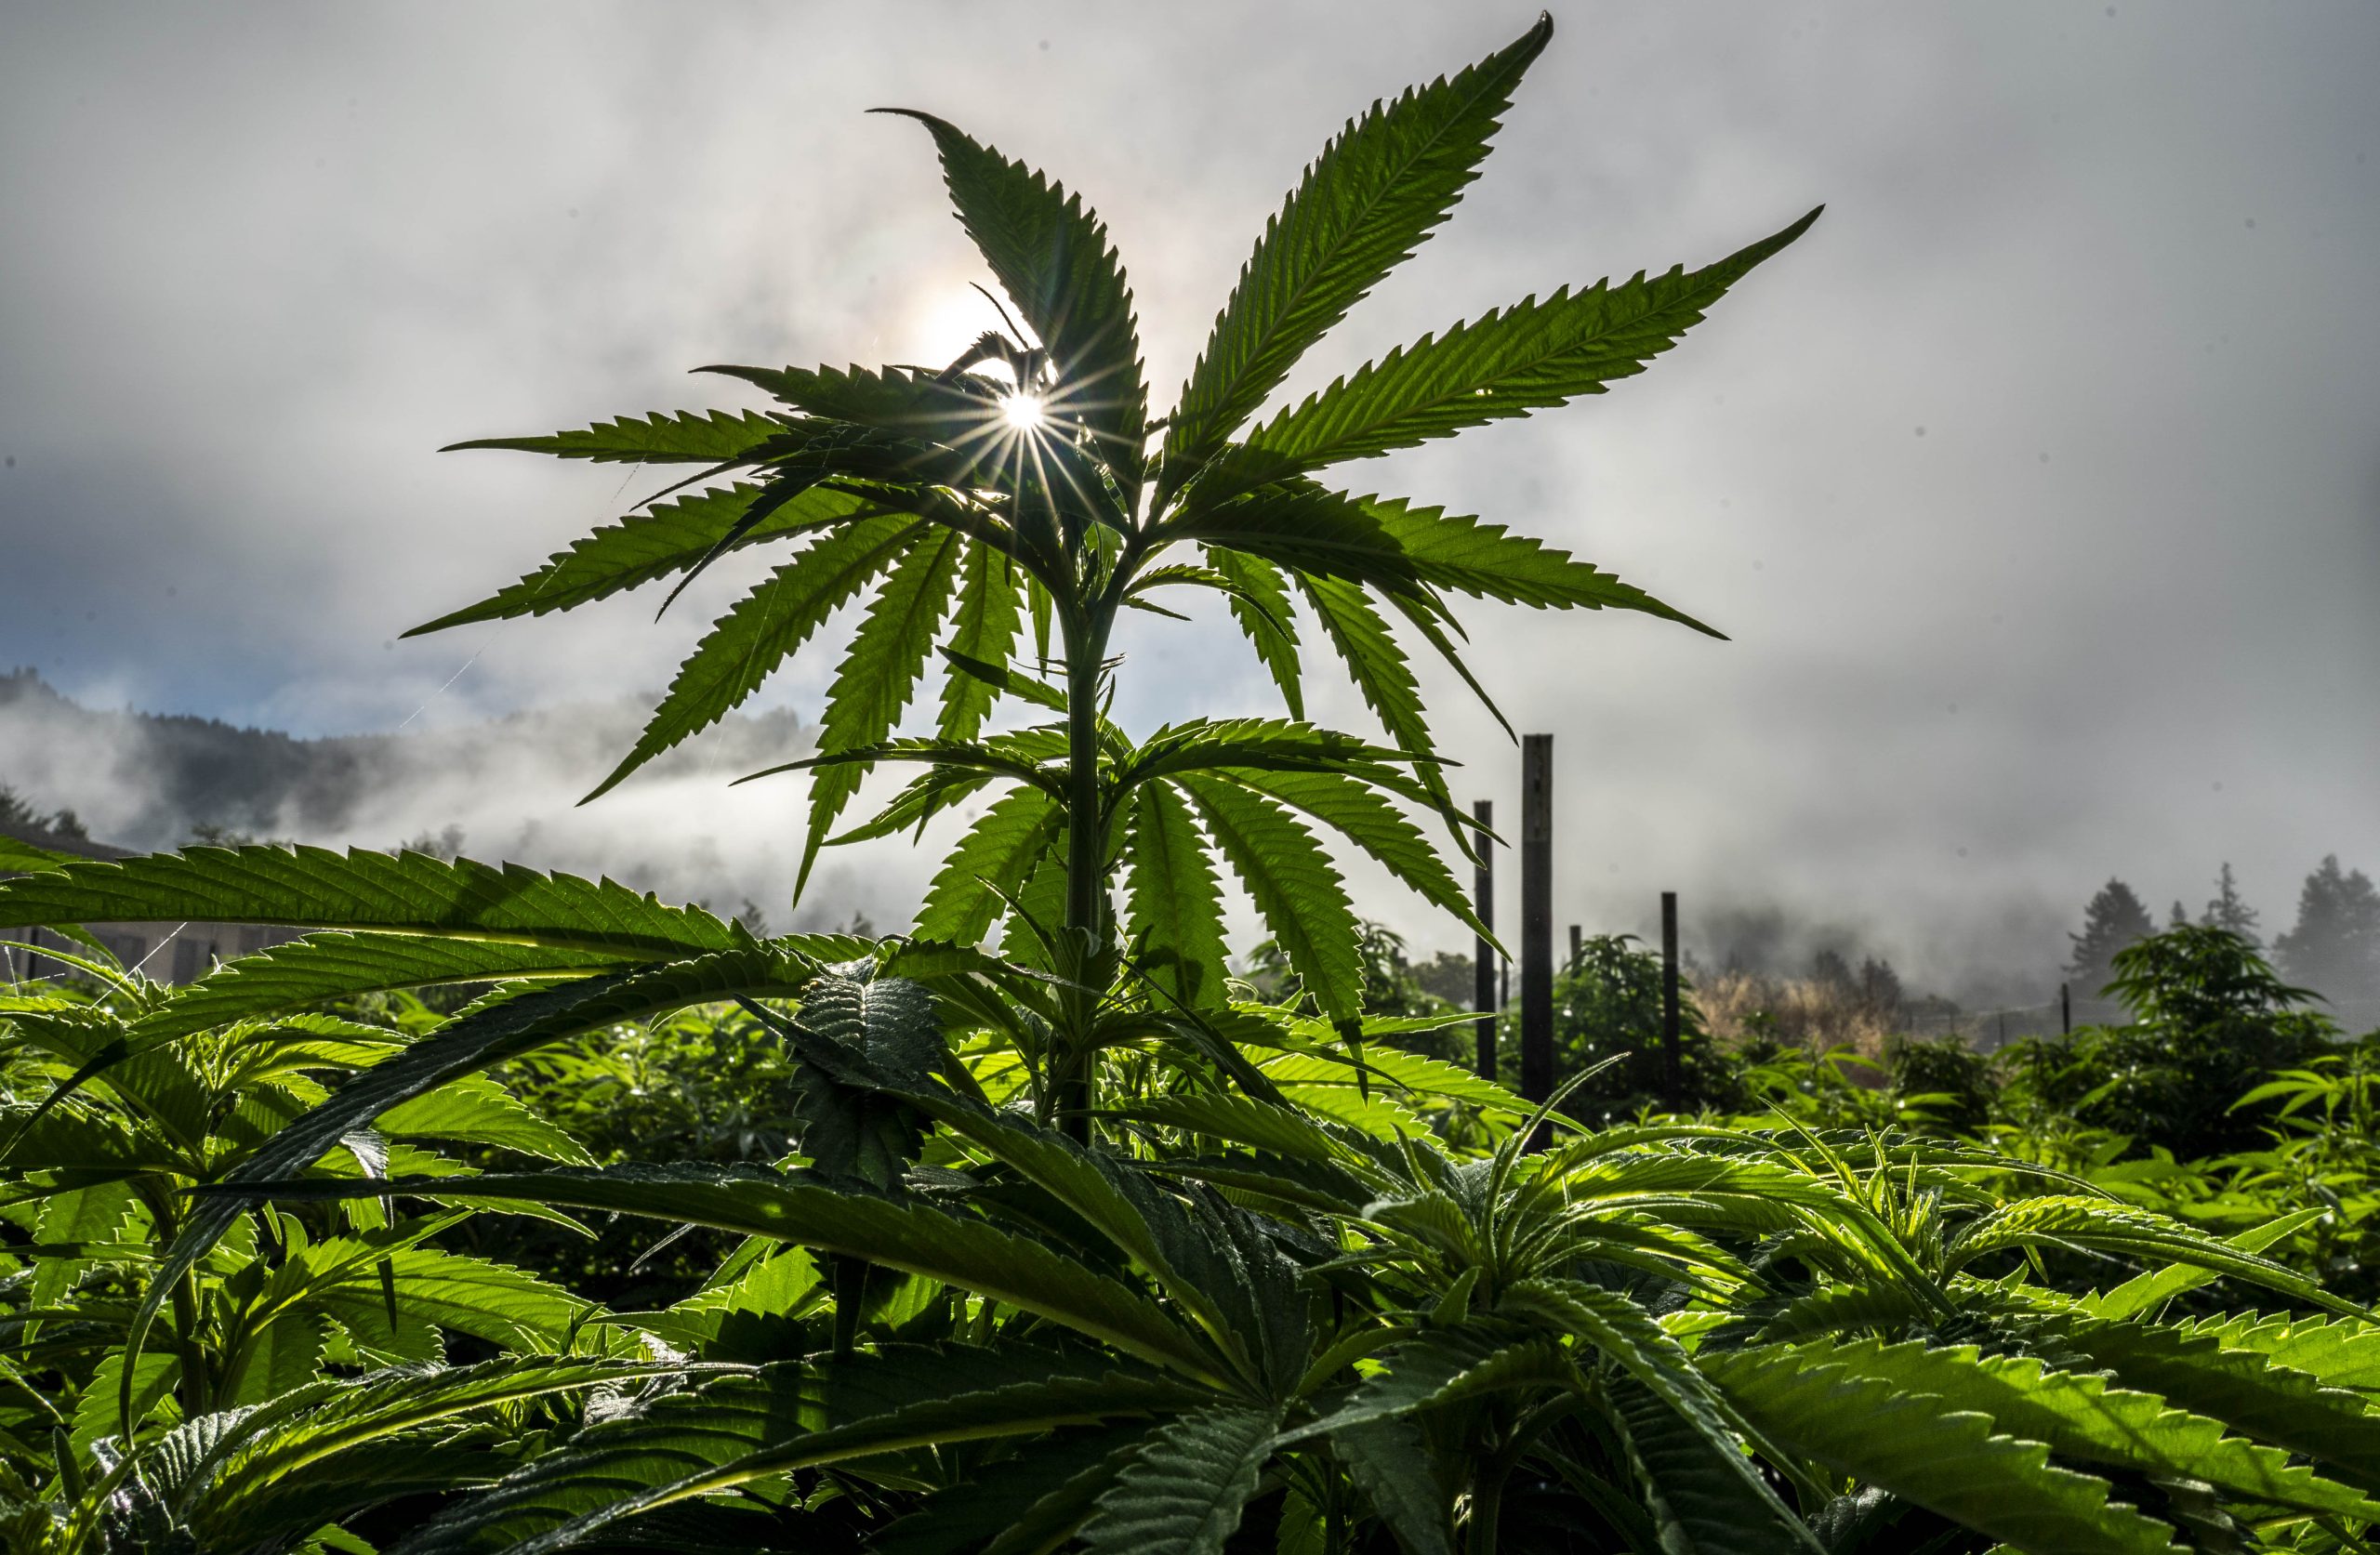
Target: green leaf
888,654
411,893
1003,847
1912,1444
473,1109
1358,813
285,1354
670,438
894,400
990,601
2127,1231
1434,1078
642,548
923,797
1380,673
1008,680
805,1211
1366,203
1694,1486
1308,528
1204,745
1022,756
853,1131
1185,1490
2337,1352
475,1041
248,1476
1507,363
1030,1500
1443,1366
743,1429
335,964
2084,1419
1628,1336
1172,907
1264,1125
506,1307
1486,560
1390,1462
1054,259
1272,629
748,643
2145,1292
1295,887
24,858
2241,1387
150,1389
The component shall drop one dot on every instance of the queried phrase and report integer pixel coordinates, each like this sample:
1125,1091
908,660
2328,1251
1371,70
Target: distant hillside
149,780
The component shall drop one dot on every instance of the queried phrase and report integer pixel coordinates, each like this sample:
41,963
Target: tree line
2333,949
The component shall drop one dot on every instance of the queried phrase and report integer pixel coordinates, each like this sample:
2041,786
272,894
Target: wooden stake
1483,964
1673,1063
1537,917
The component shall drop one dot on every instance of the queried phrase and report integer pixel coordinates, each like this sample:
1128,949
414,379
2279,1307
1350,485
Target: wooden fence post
1577,944
1537,917
1672,1065
1483,964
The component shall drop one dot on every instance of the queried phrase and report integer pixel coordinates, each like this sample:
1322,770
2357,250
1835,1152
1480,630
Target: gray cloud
2037,486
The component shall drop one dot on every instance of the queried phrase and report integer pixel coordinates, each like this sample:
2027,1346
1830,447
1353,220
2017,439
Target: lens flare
1023,411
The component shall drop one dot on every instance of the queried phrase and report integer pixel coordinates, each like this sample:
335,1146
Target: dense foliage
1038,1229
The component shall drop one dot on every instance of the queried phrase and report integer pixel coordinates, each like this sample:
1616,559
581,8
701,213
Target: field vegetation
509,1210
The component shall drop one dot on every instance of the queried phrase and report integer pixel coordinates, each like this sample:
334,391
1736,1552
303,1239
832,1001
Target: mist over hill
506,789
502,788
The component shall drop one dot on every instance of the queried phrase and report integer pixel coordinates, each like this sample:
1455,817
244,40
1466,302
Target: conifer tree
2228,911
2336,947
2114,920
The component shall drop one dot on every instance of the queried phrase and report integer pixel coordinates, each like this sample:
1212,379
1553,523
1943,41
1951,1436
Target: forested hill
149,779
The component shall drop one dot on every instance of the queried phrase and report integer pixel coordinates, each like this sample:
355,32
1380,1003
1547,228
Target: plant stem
193,1389
1486,1502
1086,924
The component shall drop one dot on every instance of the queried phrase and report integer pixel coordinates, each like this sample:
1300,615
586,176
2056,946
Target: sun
1023,411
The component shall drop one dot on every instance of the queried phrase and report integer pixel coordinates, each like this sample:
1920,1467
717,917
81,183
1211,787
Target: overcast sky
2038,487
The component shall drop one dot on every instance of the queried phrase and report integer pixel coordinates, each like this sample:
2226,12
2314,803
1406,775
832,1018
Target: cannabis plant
279,1353
1027,482
1080,1243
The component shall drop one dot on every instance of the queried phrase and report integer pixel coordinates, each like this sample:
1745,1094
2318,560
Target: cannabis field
505,1210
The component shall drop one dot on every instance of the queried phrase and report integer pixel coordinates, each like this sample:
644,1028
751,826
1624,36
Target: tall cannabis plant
1028,479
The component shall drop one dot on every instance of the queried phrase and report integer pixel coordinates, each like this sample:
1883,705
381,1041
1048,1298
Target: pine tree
2114,920
2228,911
2336,947
2178,916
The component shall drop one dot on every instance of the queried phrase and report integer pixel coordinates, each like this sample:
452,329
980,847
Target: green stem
1488,1486
1086,922
193,1389
1487,1504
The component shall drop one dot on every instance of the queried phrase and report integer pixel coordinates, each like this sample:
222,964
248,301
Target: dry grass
1806,1012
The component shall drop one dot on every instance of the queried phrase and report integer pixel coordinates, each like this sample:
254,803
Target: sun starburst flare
1023,412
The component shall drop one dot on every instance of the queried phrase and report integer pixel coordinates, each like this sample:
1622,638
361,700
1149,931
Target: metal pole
1537,917
2064,1011
1483,964
1674,1068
